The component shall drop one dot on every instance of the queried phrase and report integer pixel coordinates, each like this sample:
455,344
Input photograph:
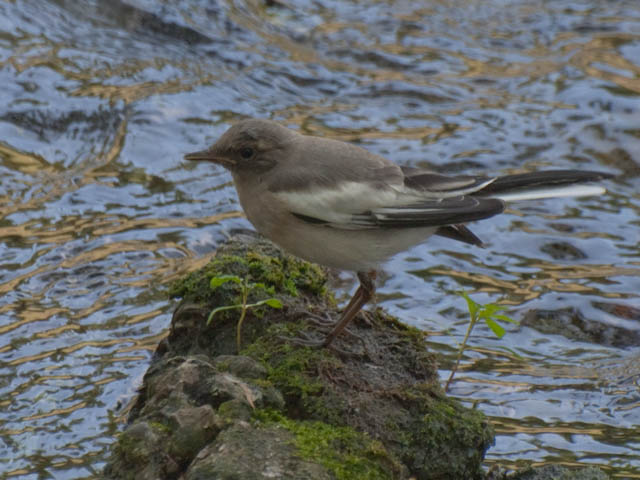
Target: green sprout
245,289
488,313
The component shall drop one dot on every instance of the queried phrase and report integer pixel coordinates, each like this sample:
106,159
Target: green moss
195,286
131,450
287,274
270,270
295,371
223,366
455,436
160,427
414,335
348,454
234,410
135,445
279,274
290,368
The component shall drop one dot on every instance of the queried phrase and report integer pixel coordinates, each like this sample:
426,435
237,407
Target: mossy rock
343,451
258,260
386,389
299,285
371,407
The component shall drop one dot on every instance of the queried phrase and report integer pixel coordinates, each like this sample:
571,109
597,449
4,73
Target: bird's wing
336,205
430,213
362,205
442,185
344,186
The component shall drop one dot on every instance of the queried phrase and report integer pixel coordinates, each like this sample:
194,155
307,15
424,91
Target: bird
339,205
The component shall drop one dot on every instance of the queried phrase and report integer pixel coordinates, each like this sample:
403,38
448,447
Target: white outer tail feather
551,192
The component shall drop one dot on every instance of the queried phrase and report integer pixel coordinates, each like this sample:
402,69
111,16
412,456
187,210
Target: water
98,212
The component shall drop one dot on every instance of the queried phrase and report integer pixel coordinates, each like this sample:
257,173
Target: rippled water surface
98,211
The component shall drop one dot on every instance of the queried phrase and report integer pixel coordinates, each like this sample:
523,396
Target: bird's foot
308,339
322,321
303,339
367,317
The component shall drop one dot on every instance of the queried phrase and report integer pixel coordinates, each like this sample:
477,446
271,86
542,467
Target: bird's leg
364,293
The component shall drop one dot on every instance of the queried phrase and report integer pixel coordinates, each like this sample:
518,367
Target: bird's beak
209,156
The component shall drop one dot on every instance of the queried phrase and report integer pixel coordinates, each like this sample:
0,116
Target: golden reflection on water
170,270
56,411
22,162
33,232
148,343
51,183
549,277
110,225
358,135
508,426
518,366
65,350
603,50
130,93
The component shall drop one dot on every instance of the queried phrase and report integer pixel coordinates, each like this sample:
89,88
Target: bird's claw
322,321
305,339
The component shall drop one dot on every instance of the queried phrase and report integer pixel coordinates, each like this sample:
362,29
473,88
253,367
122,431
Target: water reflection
98,212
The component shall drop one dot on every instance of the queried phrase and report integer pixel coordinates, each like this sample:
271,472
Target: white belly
356,250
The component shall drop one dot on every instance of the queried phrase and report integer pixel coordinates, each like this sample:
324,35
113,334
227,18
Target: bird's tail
544,184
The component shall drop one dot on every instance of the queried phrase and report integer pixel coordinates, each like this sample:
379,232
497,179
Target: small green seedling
488,313
245,289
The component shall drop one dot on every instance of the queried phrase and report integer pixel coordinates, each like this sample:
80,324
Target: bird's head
250,145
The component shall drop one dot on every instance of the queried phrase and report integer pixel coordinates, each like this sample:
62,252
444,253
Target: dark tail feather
459,232
540,180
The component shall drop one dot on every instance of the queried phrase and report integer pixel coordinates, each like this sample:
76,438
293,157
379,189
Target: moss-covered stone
191,429
136,444
453,437
267,272
235,410
289,367
388,391
371,407
247,452
268,265
343,451
137,454
240,366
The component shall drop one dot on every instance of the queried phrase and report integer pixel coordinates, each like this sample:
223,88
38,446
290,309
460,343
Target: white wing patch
337,205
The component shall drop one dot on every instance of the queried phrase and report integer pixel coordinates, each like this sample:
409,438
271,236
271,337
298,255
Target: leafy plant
245,288
490,314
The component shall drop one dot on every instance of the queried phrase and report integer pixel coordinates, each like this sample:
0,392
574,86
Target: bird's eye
246,153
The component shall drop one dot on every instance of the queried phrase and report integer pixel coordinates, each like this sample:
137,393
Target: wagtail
341,206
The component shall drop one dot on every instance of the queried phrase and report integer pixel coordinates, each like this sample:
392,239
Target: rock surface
372,407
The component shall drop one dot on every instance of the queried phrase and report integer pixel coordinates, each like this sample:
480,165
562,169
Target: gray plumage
342,206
